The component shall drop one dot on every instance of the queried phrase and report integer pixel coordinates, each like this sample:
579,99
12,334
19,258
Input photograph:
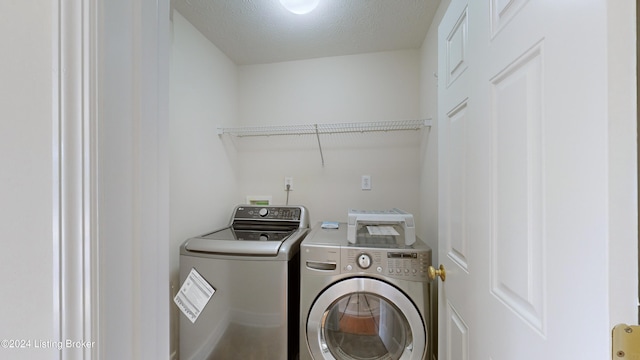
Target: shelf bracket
319,144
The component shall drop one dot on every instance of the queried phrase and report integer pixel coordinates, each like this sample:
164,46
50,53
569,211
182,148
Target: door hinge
625,342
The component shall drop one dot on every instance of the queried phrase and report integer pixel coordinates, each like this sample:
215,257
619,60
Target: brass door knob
440,272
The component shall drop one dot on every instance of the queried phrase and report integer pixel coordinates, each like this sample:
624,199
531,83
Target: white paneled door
524,179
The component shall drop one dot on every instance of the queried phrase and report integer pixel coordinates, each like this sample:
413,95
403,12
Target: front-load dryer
363,300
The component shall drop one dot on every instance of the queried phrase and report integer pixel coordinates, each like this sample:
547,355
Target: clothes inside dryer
365,326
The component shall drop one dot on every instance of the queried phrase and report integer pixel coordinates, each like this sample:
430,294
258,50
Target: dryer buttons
364,261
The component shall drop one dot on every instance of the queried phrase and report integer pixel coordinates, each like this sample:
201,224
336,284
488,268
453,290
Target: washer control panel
405,264
250,212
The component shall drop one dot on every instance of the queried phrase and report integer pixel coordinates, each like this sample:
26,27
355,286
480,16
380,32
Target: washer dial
364,261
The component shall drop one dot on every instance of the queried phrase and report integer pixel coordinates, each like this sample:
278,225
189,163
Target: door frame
623,173
638,144
111,177
75,272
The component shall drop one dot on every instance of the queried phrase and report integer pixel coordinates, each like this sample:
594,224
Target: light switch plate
366,182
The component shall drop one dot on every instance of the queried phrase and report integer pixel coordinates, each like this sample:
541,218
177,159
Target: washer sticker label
194,295
382,230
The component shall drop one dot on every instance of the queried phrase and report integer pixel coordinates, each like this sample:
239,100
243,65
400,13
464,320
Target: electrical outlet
288,180
366,182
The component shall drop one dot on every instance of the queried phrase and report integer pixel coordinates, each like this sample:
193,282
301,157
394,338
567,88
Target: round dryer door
364,318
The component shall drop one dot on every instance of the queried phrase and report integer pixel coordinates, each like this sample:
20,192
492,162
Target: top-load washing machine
252,266
365,289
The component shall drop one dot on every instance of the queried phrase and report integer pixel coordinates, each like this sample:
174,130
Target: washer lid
245,242
261,231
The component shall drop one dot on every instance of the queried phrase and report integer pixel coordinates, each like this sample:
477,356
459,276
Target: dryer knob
263,212
364,261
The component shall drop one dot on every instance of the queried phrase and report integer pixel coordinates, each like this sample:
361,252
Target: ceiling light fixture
300,7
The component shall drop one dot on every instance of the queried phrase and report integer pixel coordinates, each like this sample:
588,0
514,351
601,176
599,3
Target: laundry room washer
363,300
253,267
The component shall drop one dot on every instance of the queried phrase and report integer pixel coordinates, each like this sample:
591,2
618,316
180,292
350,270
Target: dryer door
364,318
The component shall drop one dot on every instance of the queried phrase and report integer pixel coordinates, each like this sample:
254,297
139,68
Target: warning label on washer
194,295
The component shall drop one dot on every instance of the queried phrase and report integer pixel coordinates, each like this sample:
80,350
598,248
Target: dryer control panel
404,264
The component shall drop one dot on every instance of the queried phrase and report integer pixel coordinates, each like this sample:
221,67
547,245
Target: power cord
288,190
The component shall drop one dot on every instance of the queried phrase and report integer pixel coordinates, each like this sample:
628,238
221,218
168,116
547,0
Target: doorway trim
74,107
110,177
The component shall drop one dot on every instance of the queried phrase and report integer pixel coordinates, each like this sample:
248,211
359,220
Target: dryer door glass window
364,325
363,318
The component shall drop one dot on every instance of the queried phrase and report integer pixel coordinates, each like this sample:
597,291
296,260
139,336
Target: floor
354,346
255,343
250,343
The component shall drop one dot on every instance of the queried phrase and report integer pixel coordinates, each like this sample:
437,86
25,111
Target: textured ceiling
262,31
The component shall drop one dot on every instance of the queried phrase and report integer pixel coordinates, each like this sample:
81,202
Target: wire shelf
321,129
326,129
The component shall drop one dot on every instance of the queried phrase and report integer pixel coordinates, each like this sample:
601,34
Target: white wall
203,182
26,179
359,88
133,178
